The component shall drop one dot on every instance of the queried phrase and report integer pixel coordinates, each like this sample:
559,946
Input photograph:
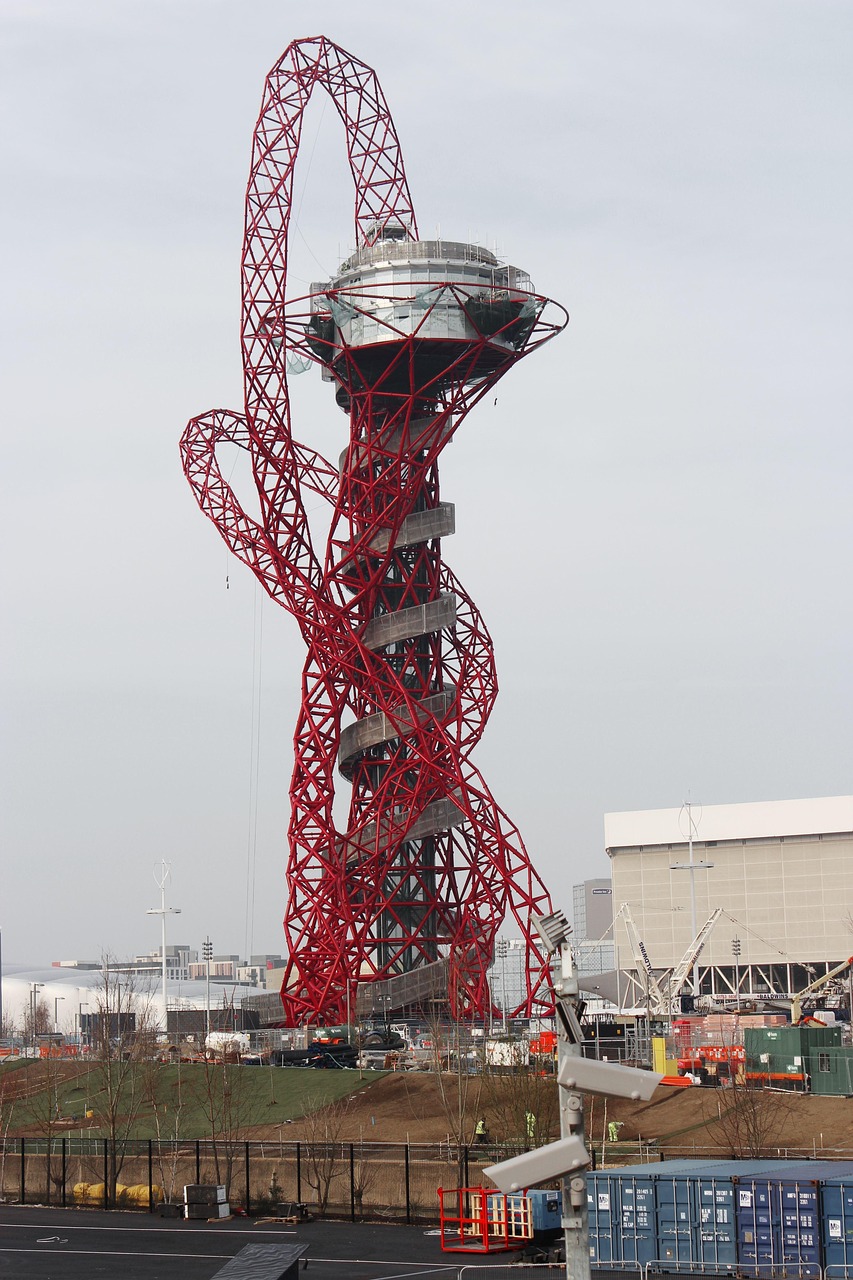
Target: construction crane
671,979
691,955
796,1003
655,998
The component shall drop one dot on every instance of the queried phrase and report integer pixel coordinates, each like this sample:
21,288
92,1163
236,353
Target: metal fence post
408,1189
150,1176
197,1162
64,1172
23,1174
299,1171
248,1193
351,1182
106,1174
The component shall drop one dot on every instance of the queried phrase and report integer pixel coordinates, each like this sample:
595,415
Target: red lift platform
474,1220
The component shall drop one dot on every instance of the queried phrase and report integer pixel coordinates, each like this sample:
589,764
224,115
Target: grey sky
655,518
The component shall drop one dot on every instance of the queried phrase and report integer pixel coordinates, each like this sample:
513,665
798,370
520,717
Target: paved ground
75,1244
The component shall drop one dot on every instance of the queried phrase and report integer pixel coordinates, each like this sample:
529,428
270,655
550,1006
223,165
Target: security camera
541,1165
585,1075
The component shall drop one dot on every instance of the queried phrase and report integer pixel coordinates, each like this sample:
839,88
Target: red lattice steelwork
399,678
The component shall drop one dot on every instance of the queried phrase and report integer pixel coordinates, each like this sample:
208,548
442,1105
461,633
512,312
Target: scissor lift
474,1220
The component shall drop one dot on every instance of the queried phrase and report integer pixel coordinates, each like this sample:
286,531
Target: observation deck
468,313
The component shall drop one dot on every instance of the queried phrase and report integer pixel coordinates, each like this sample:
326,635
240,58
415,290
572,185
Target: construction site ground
401,1107
420,1107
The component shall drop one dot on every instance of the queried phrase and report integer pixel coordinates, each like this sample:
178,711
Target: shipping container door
601,1226
675,1217
800,1226
837,1222
753,1216
637,1233
716,1238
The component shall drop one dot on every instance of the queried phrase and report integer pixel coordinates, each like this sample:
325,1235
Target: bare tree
323,1128
458,1078
122,1040
513,1093
167,1122
218,1089
752,1120
44,1106
7,1108
36,1020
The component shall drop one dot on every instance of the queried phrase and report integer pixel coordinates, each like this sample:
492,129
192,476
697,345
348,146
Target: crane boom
690,957
796,1003
656,1000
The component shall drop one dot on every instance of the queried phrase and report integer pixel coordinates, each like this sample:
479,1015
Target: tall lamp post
692,867
81,1005
207,953
162,911
736,954
35,988
501,949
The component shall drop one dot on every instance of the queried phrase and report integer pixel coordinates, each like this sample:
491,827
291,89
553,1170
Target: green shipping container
831,1071
787,1054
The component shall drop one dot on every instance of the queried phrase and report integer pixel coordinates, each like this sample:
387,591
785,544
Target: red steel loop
399,678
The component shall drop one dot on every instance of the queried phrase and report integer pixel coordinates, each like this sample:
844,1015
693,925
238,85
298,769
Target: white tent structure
70,994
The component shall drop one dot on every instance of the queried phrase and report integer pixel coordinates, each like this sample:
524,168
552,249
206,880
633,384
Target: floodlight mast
399,678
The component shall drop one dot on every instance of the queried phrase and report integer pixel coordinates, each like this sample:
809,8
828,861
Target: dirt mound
407,1107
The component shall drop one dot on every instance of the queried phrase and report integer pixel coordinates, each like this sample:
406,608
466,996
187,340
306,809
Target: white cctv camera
541,1165
588,1076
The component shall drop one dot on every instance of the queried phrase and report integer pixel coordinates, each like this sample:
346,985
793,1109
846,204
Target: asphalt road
78,1244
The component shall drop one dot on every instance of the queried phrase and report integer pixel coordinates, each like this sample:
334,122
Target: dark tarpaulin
263,1262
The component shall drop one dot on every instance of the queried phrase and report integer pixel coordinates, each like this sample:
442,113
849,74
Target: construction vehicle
797,1001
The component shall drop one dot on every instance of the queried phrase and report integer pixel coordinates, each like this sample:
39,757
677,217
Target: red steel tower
399,677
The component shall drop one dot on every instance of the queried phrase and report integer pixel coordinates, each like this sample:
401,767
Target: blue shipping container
779,1217
621,1215
686,1212
837,1220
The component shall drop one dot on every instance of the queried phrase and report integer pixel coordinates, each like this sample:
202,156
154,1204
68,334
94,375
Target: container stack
204,1202
721,1214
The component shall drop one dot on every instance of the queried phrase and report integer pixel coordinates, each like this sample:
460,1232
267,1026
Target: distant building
220,971
782,872
508,975
592,933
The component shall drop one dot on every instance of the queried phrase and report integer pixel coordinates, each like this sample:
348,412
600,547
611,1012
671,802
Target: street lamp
81,1005
501,949
162,911
35,988
736,954
207,955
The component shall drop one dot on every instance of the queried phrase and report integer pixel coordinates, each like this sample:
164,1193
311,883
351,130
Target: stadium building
777,877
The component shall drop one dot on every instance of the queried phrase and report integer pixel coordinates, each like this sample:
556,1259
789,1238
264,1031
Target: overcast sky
655,519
